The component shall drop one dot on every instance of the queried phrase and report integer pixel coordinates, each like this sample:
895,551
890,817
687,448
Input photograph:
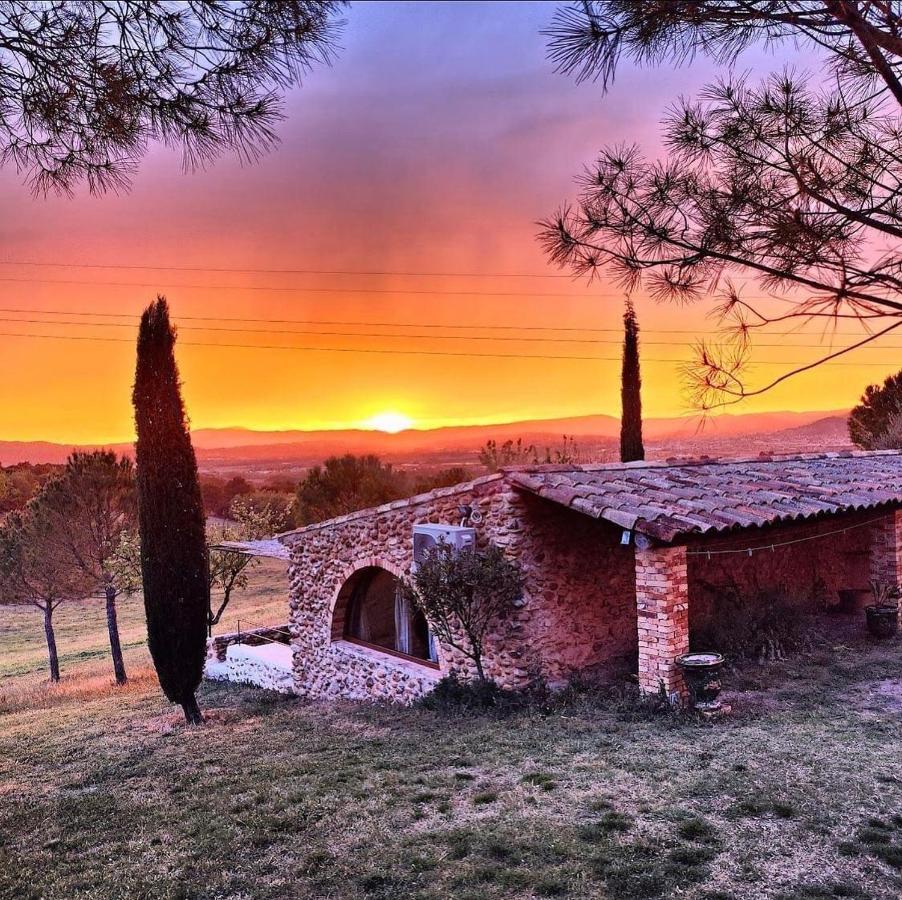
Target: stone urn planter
701,672
883,621
882,615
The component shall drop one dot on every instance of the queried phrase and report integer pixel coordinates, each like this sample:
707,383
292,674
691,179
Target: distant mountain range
230,445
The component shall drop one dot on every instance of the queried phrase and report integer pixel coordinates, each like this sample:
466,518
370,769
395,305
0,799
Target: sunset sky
437,140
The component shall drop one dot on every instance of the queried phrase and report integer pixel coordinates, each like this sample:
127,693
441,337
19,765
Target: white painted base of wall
266,665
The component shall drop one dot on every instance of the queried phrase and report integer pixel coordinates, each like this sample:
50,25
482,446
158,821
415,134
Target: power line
427,337
72,337
281,289
222,269
446,325
264,271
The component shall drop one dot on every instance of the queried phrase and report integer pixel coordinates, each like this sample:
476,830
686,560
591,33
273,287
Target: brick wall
662,602
578,609
886,556
809,574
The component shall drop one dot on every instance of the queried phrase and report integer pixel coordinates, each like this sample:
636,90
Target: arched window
377,613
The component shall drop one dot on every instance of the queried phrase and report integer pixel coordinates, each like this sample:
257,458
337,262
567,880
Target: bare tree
86,85
229,569
791,183
495,456
32,571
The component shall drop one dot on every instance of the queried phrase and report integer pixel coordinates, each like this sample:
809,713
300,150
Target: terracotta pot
883,621
701,672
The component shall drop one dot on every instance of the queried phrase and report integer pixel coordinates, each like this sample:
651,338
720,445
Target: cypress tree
631,390
171,522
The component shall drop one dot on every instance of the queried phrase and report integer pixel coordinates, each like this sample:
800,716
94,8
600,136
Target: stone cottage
621,564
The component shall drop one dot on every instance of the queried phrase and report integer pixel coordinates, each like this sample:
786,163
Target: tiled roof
669,501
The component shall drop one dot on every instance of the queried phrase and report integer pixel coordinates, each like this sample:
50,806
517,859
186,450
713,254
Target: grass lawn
106,794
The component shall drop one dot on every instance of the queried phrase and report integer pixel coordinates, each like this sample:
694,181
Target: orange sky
414,154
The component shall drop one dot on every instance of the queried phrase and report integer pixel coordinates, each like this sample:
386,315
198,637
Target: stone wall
581,592
218,646
265,665
577,611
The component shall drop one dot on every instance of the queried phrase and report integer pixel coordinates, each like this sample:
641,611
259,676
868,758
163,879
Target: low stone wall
363,673
266,665
218,645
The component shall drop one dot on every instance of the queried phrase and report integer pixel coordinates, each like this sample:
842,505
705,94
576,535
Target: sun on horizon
390,422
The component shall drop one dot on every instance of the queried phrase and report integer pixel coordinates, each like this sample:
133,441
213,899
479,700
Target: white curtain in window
433,646
402,622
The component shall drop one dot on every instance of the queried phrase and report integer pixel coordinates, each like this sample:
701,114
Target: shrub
761,623
453,694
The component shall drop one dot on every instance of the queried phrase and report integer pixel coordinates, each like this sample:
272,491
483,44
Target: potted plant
883,614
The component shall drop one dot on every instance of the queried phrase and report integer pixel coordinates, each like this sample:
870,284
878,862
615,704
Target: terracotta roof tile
677,499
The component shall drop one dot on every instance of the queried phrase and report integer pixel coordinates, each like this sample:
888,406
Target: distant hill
833,429
307,447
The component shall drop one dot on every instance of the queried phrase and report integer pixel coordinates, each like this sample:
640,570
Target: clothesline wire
772,546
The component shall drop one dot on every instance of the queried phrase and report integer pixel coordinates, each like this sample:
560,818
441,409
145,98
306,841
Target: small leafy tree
891,439
344,484
19,483
462,593
91,503
631,390
32,571
218,493
441,478
874,424
174,563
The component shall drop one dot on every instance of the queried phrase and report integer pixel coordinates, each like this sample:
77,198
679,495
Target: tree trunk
480,672
113,628
193,715
51,643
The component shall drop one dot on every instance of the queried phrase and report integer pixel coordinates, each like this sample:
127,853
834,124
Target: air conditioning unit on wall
428,535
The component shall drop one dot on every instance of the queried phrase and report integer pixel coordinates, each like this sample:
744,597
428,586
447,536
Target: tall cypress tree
171,521
631,390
